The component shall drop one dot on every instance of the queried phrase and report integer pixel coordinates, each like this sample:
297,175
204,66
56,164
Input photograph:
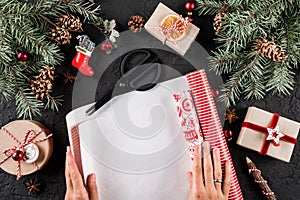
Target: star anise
33,186
69,77
231,115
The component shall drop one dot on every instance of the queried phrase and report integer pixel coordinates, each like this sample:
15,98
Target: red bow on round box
269,134
26,147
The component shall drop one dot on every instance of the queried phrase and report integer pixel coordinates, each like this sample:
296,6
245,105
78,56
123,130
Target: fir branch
27,105
53,103
207,7
25,28
233,86
76,6
222,62
281,80
3,36
36,43
6,91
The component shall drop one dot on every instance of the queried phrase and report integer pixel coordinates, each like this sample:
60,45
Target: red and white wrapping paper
211,125
189,121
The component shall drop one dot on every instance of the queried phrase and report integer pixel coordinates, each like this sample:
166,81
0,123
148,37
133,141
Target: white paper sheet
135,146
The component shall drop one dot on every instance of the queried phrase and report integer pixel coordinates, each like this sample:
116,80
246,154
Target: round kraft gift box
25,147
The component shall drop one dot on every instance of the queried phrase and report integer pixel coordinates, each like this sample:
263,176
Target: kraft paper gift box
269,134
37,149
152,27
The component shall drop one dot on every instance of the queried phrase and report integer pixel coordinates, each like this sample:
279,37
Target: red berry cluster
106,46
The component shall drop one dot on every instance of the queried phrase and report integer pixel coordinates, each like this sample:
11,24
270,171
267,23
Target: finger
217,168
197,168
75,175
67,173
227,178
92,187
207,166
190,176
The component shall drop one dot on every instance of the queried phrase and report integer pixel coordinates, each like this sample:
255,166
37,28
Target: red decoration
264,130
228,134
106,47
83,54
215,93
22,56
190,6
18,155
17,151
81,62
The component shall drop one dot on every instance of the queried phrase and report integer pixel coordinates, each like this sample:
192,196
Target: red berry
108,45
18,155
104,47
189,6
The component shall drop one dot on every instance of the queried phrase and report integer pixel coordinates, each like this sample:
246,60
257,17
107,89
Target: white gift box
152,27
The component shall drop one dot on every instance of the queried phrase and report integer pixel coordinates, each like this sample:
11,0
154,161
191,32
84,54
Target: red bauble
18,155
190,6
228,134
215,93
22,56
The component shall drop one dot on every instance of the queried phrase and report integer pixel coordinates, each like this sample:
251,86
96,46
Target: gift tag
31,153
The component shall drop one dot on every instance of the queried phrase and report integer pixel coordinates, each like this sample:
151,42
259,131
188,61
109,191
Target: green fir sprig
250,73
25,27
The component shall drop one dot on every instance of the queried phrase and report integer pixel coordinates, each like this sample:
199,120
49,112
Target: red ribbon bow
264,130
28,139
179,26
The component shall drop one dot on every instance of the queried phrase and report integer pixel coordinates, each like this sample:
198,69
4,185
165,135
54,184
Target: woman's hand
75,186
206,181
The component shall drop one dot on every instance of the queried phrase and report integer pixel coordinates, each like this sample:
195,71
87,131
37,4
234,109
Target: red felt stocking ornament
83,54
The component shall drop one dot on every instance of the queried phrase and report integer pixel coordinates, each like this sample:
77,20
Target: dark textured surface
284,178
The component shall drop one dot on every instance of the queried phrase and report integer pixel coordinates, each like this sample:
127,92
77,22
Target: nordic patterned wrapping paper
115,156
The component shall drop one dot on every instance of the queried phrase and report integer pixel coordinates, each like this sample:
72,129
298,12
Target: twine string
29,137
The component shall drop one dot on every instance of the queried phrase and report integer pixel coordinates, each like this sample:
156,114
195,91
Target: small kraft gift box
172,29
269,134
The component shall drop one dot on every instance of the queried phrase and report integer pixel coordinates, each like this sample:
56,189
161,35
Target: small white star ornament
275,135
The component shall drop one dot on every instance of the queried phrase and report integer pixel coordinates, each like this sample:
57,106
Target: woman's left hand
75,186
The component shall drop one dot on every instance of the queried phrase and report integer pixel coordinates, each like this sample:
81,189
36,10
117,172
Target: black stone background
283,178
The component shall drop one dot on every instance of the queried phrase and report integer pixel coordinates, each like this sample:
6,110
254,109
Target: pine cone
70,23
270,50
61,35
42,84
218,21
136,23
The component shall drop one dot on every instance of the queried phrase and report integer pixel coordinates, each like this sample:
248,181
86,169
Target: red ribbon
28,139
273,124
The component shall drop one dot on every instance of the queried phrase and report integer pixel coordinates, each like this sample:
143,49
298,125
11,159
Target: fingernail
206,147
94,177
217,151
68,151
